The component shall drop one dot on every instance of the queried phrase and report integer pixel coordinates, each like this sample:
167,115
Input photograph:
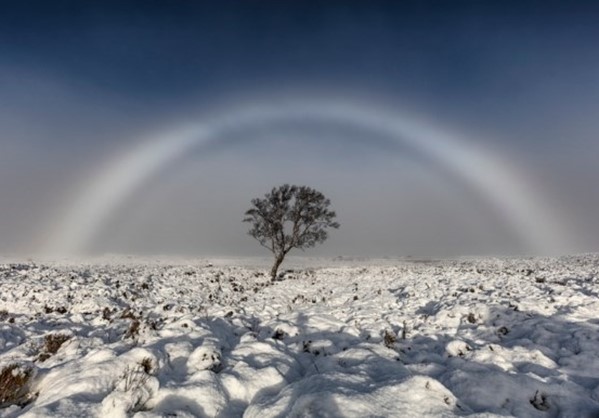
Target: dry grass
147,365
389,339
132,379
133,331
52,343
14,385
128,314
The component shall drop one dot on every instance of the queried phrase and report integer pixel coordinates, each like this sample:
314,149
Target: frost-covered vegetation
397,338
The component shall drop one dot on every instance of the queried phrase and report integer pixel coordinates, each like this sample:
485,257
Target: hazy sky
86,86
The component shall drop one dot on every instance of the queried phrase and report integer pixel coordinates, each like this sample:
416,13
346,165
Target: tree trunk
275,267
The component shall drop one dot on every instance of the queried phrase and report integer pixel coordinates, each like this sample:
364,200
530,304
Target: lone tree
290,217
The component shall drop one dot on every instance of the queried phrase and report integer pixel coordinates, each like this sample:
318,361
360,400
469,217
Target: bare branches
290,217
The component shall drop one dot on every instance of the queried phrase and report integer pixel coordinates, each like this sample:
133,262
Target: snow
353,338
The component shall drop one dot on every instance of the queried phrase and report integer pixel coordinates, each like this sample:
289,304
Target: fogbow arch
492,178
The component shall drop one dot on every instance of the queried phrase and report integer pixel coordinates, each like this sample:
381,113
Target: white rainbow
495,179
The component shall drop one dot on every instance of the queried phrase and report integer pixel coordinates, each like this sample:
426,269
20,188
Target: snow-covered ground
486,337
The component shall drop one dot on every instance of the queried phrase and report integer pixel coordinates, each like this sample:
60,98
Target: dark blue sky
502,56
79,77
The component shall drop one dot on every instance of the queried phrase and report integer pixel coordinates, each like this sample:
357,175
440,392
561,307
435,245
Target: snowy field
336,338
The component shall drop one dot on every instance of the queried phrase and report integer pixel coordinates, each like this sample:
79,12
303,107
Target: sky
435,128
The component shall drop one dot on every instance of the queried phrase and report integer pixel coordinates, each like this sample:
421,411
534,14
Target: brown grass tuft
14,385
133,330
52,343
147,365
389,339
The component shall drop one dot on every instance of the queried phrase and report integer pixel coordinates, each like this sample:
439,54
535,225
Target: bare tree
290,217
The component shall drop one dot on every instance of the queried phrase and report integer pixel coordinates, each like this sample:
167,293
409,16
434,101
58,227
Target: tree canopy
290,217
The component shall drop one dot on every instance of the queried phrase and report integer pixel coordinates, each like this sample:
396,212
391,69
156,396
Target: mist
86,88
